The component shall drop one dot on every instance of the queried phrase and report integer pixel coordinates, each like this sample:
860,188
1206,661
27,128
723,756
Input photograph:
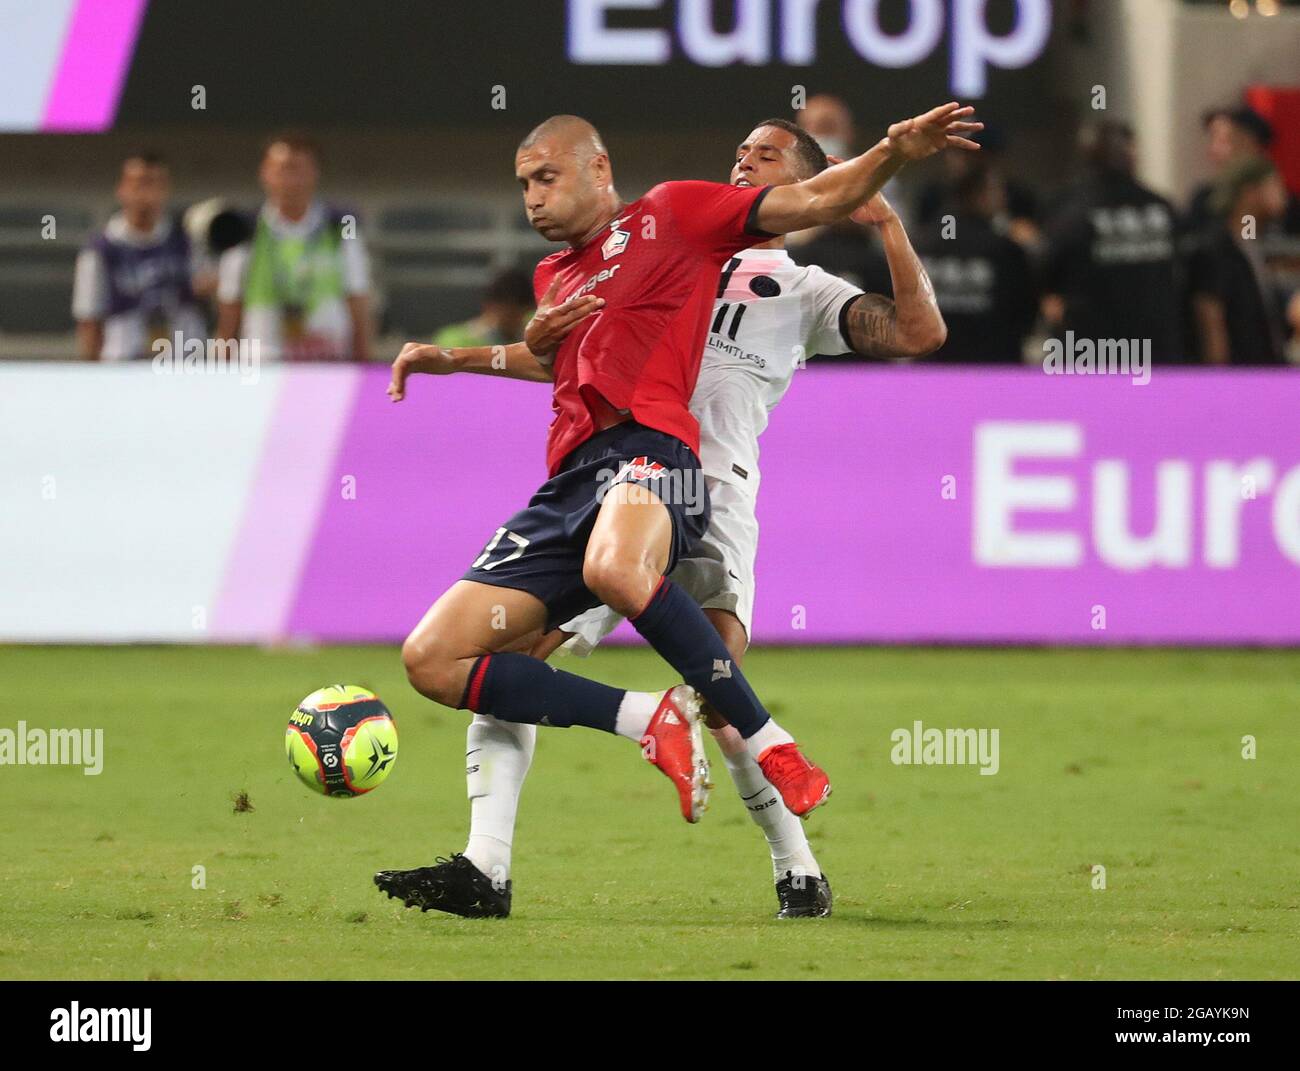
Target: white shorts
719,574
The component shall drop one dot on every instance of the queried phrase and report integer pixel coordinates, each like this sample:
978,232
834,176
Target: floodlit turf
1131,760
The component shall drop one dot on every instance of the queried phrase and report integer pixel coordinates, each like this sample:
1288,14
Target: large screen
92,64
898,505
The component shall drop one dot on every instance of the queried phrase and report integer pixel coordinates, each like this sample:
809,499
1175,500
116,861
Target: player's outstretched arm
910,325
837,191
528,360
512,362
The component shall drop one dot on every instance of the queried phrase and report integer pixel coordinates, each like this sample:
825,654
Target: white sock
770,735
635,712
497,757
785,835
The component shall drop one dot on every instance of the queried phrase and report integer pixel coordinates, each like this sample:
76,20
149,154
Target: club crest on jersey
617,240
640,468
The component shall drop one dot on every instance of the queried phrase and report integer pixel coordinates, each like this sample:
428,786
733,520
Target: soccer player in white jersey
770,315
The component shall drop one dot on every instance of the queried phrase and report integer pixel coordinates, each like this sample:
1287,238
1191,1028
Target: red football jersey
657,266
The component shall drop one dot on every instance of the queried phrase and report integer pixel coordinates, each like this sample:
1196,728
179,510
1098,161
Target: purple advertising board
897,505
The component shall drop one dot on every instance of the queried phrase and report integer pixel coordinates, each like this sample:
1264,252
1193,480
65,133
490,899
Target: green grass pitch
1131,760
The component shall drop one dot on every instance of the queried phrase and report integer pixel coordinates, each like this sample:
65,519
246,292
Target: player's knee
431,674
622,585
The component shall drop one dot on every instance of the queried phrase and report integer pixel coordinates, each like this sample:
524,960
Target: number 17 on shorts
495,553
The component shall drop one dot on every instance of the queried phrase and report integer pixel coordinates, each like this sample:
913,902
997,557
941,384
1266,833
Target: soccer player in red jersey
625,498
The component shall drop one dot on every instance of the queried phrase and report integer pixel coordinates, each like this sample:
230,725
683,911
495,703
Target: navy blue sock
675,626
520,688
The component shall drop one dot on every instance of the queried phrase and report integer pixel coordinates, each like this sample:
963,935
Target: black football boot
453,885
803,896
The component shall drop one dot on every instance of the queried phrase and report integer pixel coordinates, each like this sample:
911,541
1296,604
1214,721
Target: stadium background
243,528
405,103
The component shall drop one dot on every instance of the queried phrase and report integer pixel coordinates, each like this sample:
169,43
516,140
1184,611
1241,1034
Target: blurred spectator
982,278
133,282
828,119
1018,214
507,307
1238,306
844,249
1233,134
1110,268
301,284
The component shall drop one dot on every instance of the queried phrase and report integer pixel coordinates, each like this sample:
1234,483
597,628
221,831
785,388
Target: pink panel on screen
285,503
435,476
92,69
859,543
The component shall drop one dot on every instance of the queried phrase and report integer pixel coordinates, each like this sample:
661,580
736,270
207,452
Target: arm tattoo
871,326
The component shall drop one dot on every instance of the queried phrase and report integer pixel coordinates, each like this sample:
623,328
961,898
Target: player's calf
469,620
432,672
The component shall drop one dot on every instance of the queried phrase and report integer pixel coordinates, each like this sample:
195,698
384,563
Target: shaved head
567,133
568,185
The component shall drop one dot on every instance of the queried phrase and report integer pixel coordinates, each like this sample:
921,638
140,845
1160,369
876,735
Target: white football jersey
771,316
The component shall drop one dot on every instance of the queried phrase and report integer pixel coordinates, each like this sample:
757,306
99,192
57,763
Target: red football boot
673,742
802,785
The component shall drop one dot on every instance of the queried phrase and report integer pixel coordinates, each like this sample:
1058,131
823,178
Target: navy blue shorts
541,548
